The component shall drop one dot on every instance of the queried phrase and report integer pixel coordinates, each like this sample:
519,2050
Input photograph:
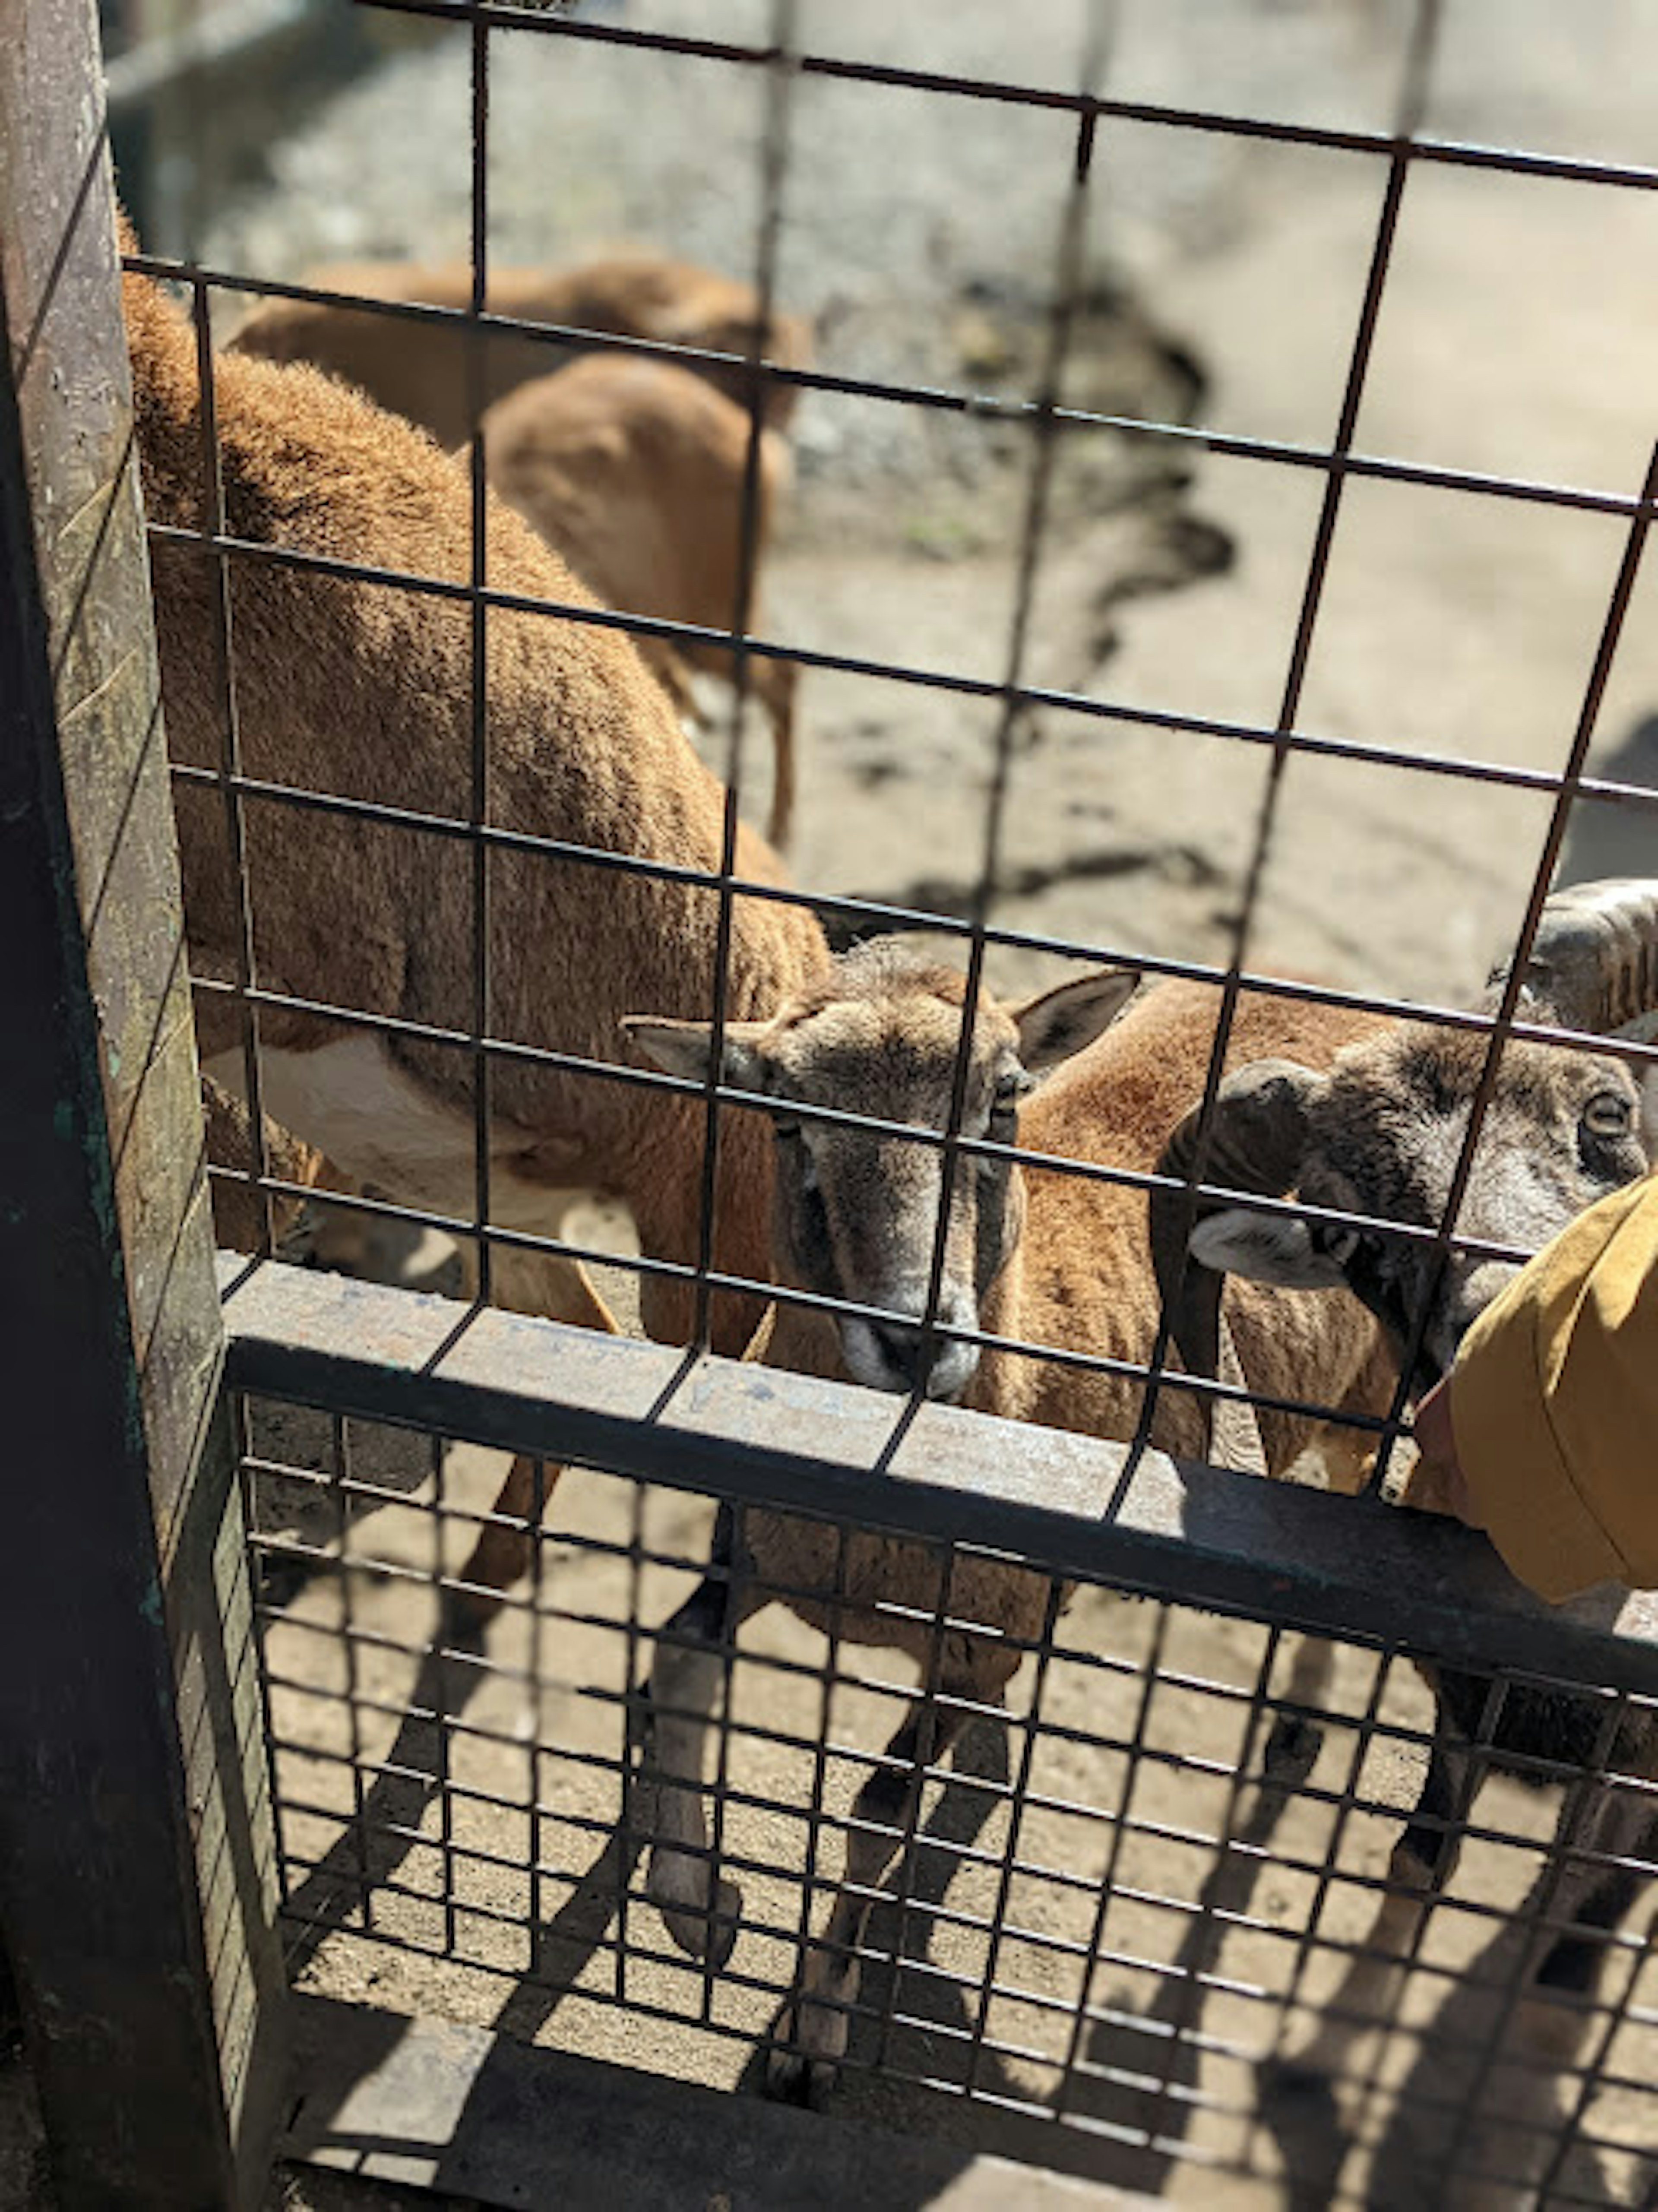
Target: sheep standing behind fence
1034,1255
423,369
1379,1135
1355,1112
362,692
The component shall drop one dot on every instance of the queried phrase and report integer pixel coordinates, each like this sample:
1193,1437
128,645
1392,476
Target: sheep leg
525,1282
1422,1861
1294,1740
812,2034
683,1883
775,684
502,1554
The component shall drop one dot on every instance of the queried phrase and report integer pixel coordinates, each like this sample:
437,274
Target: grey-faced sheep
1034,1256
1379,1135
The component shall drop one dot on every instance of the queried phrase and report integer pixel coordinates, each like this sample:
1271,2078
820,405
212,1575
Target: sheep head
1381,1132
856,1210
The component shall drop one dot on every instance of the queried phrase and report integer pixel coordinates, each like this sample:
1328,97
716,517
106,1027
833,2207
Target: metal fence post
135,1853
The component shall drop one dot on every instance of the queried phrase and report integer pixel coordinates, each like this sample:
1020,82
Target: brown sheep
1032,1256
634,469
362,690
420,370
1352,1111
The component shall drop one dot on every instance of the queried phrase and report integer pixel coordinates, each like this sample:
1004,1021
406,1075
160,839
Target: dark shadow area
1144,2076
1462,2124
370,1850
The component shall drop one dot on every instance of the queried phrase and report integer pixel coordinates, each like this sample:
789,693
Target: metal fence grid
1014,699
1120,1911
1116,1909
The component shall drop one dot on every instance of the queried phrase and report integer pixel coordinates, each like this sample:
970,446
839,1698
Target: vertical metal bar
1102,19
441,1777
723,1714
230,750
1019,1797
905,1860
535,1663
636,1737
810,1879
240,1428
1308,1941
127,1863
774,167
1413,102
1133,1750
340,1468
1179,2001
1605,653
477,358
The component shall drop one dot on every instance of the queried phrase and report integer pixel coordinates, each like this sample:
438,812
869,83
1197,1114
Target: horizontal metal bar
1070,1505
1038,412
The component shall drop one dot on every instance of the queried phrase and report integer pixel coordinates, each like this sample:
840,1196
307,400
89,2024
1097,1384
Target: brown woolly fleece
637,472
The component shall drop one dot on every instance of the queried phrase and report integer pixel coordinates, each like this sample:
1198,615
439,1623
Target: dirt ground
1223,279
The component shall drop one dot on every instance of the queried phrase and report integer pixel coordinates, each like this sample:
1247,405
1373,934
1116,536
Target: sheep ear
1266,1248
683,1049
1062,1021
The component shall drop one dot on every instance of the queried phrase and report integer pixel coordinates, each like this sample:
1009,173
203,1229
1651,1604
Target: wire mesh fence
1145,1906
1152,1907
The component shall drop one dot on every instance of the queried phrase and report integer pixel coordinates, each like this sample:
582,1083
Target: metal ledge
1073,1505
426,2103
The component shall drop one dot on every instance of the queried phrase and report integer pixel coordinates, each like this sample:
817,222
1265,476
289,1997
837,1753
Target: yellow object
1554,1404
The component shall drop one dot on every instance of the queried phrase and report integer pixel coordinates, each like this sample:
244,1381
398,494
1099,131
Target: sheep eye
1608,1114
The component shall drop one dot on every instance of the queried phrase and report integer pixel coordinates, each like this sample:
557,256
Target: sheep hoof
793,2076
1300,2082
1292,1749
702,1931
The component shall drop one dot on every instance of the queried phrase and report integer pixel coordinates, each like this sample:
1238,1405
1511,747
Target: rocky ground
1222,281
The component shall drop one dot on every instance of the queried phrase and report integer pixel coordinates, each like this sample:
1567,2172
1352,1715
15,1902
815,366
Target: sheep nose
901,1347
944,1371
